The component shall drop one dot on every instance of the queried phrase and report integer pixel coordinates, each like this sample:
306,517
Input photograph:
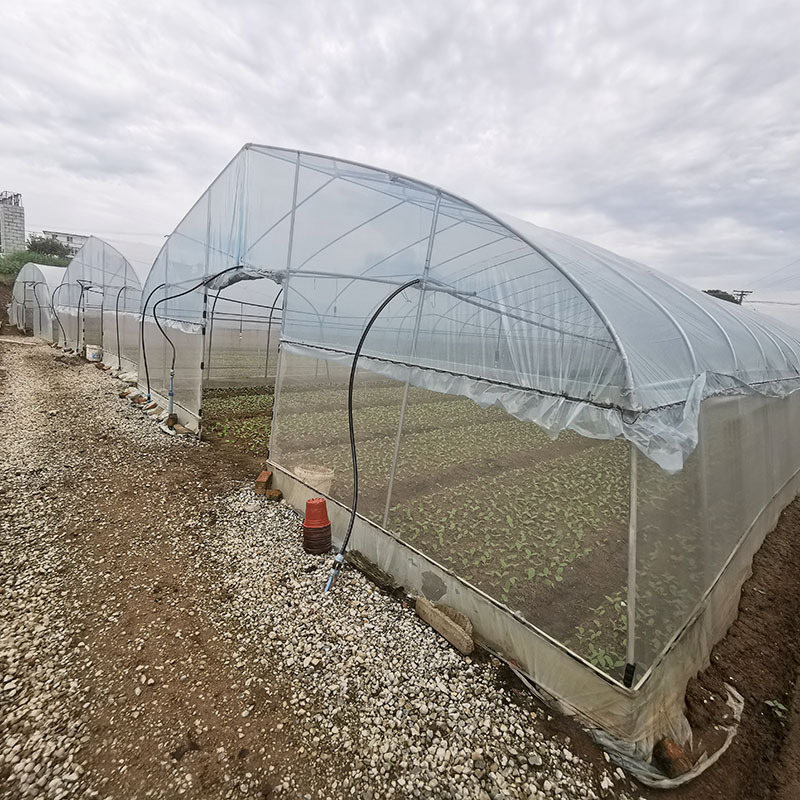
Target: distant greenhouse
31,307
97,304
579,453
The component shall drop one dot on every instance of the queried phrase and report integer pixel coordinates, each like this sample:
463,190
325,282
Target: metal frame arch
705,311
629,388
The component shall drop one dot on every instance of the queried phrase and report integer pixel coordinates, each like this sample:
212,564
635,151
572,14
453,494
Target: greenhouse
97,304
580,454
31,310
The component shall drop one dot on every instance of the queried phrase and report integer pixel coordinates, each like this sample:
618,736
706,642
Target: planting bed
239,416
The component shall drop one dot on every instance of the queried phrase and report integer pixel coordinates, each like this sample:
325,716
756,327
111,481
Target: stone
671,758
449,623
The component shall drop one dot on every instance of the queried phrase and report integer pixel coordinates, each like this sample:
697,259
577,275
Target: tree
12,263
721,294
47,245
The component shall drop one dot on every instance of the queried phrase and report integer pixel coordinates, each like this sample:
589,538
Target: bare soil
759,657
167,681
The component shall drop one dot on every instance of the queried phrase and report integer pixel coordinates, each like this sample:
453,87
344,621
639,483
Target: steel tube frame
404,403
116,324
276,395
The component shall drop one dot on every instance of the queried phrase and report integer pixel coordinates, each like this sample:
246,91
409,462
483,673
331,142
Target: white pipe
425,270
632,527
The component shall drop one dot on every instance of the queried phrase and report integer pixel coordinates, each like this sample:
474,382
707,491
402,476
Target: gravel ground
162,633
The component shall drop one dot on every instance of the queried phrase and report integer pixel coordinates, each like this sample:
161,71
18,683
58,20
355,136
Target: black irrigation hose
116,324
202,283
269,330
36,300
142,347
211,332
78,322
55,313
339,560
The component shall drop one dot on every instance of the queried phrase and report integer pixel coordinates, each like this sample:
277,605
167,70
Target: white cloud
667,131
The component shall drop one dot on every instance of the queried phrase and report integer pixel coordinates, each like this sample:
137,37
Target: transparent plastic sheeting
226,329
541,526
551,329
98,303
30,308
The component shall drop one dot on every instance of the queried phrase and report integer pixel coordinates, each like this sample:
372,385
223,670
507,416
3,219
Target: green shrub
12,263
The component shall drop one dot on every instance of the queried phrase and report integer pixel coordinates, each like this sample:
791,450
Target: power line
774,272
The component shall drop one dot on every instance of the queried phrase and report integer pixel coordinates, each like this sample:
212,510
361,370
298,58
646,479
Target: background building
12,222
74,241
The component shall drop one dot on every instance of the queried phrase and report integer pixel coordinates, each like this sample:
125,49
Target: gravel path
162,633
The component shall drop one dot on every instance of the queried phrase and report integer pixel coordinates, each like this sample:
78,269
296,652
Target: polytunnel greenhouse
31,308
579,453
96,306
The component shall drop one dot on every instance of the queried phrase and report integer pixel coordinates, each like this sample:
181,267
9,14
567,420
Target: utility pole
740,294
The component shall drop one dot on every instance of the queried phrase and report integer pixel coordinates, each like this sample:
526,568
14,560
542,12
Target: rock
452,624
671,758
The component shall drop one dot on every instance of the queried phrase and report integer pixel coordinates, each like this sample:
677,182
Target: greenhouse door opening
241,363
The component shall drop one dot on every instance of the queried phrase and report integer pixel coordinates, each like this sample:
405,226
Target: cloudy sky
667,131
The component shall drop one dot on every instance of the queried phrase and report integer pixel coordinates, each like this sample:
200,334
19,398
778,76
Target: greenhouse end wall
696,535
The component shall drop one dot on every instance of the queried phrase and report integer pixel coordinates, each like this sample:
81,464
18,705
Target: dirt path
161,696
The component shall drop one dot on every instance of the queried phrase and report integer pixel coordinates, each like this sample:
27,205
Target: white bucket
94,353
319,478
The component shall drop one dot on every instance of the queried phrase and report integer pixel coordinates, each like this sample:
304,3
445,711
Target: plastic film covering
551,329
572,555
100,289
31,297
226,316
746,456
539,525
243,339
